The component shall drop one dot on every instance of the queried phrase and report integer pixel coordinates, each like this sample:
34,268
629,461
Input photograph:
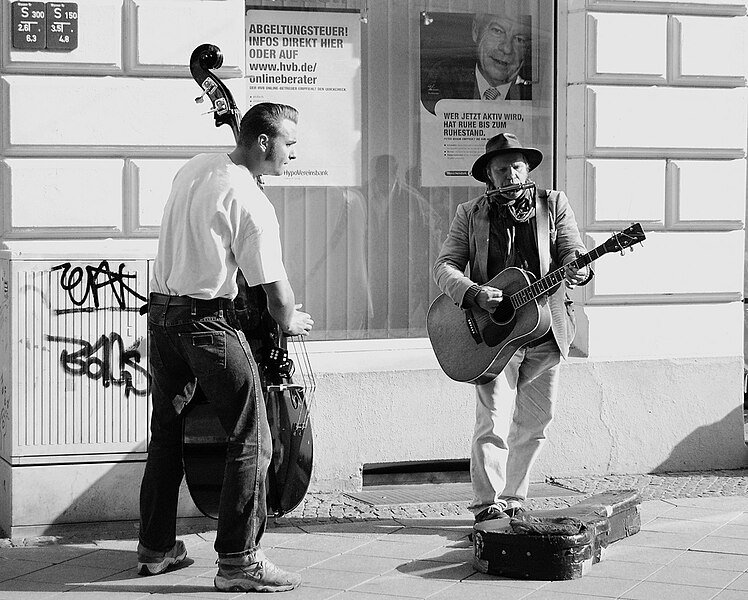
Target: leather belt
212,304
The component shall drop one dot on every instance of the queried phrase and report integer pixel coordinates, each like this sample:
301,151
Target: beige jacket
463,259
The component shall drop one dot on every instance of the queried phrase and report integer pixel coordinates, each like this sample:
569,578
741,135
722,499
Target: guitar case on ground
556,544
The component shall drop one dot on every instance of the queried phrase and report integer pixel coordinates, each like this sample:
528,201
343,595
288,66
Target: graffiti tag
83,285
107,361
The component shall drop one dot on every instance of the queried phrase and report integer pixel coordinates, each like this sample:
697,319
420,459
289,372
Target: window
360,256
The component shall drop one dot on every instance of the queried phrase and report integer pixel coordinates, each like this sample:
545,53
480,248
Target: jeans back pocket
205,351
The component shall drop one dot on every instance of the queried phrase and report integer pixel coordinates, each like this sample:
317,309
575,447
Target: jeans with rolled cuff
197,344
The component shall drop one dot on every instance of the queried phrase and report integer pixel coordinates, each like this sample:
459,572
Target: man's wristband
468,300
590,275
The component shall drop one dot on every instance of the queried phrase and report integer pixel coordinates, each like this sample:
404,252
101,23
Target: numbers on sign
34,14
38,25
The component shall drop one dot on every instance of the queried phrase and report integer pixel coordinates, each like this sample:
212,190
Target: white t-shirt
215,221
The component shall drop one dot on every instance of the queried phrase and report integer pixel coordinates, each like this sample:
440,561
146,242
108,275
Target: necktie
491,94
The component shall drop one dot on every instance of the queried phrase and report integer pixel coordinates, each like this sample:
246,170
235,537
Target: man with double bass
512,225
217,220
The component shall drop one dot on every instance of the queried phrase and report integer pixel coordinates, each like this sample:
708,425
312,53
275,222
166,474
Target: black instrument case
556,544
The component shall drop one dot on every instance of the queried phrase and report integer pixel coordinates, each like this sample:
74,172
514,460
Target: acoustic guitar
473,345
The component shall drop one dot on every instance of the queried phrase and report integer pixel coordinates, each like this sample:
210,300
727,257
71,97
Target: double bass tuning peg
219,106
209,86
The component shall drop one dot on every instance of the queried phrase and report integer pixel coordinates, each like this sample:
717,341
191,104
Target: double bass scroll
225,112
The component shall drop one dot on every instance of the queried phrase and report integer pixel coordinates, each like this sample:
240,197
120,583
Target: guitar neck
552,279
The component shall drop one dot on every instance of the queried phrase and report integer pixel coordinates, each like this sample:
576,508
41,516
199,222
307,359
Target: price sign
29,23
62,25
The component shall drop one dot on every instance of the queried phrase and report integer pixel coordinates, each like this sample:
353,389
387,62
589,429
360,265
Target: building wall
91,139
652,131
655,132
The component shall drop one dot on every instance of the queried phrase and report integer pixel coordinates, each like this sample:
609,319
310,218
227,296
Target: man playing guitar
512,225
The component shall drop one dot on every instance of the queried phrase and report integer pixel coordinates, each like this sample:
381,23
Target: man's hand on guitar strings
489,297
301,322
575,276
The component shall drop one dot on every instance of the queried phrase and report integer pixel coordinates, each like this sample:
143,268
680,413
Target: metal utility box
73,390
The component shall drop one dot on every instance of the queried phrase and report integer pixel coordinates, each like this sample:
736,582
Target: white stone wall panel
169,30
683,263
627,118
65,192
711,191
727,7
626,190
612,50
713,46
112,111
153,184
665,331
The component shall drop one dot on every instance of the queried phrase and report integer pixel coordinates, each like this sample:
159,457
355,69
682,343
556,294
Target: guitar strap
543,225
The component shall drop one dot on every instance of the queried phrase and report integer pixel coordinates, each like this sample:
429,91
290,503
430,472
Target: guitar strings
309,383
312,382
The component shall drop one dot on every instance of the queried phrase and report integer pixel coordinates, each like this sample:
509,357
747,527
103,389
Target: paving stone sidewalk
693,545
339,507
342,507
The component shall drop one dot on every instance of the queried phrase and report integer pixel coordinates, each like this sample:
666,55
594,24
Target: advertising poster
476,82
312,61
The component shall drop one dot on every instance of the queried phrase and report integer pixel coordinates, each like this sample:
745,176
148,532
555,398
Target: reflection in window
360,258
404,236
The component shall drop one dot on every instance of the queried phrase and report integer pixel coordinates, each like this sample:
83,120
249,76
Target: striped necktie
491,94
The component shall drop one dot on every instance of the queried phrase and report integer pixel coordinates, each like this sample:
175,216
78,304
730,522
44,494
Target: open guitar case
556,544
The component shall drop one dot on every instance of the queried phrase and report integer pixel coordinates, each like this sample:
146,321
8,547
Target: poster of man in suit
496,64
478,74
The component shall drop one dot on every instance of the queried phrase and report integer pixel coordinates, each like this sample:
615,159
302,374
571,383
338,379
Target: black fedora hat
503,144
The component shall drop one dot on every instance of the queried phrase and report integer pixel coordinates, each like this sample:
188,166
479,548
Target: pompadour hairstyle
264,118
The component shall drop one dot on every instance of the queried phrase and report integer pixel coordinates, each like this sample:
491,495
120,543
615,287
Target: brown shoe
513,508
490,513
237,575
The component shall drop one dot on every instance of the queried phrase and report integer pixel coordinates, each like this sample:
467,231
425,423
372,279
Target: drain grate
384,495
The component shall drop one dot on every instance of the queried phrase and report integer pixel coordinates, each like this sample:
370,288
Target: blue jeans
199,342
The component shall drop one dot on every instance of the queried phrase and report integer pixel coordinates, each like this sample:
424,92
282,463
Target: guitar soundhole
503,314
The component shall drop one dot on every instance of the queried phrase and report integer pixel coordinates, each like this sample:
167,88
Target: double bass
286,378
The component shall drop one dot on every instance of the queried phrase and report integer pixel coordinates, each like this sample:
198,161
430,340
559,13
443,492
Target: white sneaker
237,575
153,563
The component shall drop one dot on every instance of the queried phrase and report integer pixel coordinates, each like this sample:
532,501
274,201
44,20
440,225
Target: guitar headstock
204,58
625,239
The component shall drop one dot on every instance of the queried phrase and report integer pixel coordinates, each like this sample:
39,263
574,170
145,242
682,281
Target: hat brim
533,156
